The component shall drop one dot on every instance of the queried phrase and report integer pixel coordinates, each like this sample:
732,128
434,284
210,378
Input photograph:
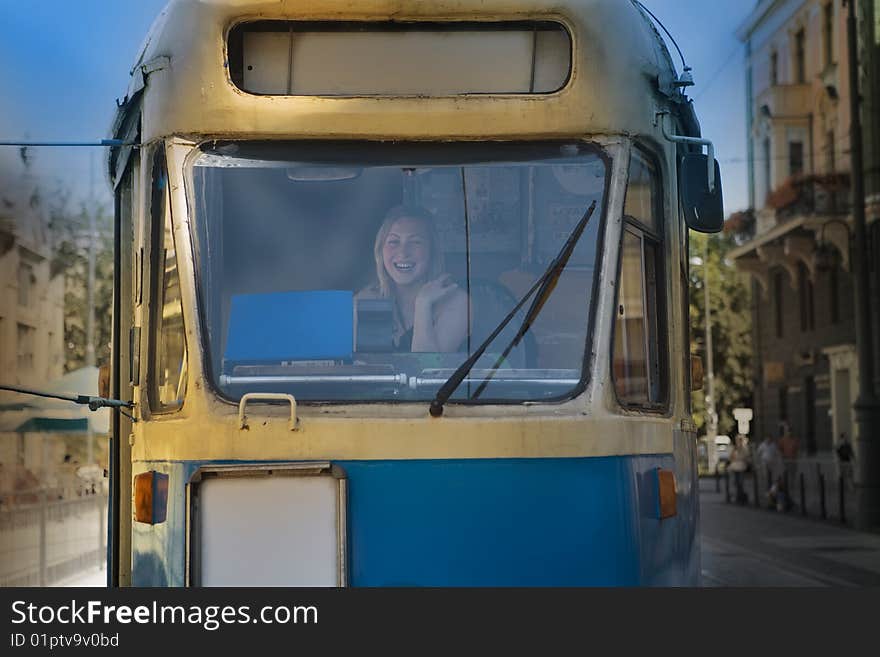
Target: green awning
54,425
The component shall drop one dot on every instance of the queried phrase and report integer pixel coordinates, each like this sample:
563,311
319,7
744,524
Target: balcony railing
824,194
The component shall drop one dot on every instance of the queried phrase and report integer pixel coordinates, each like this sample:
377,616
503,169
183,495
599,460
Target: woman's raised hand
436,290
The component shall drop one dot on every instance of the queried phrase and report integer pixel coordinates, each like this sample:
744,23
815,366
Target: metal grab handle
693,141
267,396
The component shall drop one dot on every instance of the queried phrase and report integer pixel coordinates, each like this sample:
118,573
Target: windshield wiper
546,283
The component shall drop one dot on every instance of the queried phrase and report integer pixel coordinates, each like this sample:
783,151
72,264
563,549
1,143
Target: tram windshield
370,272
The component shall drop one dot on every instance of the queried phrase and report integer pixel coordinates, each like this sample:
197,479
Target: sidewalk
94,577
748,546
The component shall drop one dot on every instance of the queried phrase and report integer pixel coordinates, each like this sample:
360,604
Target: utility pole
867,408
712,419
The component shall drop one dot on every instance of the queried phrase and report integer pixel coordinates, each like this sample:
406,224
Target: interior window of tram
637,356
169,344
275,234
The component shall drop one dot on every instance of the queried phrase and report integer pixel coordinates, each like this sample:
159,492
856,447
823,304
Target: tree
71,232
731,329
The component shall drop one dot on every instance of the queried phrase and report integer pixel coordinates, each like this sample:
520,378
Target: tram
401,297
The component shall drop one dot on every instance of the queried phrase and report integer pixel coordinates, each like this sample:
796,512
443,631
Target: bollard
842,500
755,486
822,510
727,486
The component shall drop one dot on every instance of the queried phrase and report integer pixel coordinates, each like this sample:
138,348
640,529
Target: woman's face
407,251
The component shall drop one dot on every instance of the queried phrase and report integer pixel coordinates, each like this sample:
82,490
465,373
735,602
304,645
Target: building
31,294
31,318
796,241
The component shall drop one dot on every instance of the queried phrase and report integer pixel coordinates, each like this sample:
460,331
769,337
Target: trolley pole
867,408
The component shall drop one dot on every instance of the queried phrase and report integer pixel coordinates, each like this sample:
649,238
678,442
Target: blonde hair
436,268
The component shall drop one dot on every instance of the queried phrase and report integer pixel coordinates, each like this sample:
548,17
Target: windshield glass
370,272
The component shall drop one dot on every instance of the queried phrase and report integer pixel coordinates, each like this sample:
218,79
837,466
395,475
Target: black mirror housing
703,209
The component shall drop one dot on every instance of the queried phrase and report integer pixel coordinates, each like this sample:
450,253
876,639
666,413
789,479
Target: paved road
745,546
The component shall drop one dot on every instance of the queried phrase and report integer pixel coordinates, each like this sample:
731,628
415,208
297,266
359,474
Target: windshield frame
211,381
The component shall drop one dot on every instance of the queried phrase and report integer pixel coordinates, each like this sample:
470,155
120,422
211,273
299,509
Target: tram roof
621,73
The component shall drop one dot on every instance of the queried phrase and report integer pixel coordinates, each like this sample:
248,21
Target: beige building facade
31,298
31,329
796,240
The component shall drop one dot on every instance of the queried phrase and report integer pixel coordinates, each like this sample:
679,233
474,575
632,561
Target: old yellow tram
283,432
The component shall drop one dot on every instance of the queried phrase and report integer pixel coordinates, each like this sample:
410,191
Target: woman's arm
440,321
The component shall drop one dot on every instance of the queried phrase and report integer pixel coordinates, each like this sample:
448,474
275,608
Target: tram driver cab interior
287,242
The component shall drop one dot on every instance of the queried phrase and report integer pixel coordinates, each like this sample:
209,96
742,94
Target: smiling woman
429,310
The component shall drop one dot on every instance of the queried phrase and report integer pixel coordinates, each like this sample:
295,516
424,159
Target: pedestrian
770,461
768,453
740,461
845,456
789,446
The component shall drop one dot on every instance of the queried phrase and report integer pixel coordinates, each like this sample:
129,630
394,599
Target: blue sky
64,62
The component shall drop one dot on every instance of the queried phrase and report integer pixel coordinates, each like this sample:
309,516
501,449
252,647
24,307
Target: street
745,546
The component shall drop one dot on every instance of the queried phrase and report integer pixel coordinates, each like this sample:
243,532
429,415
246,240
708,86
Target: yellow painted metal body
190,92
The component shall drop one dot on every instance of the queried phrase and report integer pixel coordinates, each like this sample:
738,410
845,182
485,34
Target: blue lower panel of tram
512,522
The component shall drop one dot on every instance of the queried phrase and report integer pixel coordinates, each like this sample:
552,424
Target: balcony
800,196
786,100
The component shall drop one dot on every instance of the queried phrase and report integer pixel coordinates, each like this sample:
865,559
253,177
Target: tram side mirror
703,207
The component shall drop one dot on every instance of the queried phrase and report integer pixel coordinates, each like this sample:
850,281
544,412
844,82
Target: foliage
71,236
741,225
730,303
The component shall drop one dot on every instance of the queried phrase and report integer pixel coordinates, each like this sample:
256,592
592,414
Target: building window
795,158
777,303
800,57
26,280
638,362
25,348
783,404
767,182
805,288
828,33
774,68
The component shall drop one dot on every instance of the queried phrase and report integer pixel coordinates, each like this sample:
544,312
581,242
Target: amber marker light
666,493
150,497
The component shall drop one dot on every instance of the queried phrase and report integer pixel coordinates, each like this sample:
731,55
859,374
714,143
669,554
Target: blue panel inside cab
287,326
